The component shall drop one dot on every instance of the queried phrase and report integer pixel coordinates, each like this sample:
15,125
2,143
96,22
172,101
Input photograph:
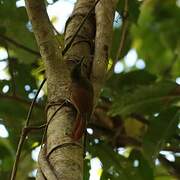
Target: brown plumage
82,99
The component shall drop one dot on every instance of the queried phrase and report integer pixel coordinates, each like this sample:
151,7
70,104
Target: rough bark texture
83,45
104,11
60,157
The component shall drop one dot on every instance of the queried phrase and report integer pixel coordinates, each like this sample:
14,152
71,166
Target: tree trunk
61,157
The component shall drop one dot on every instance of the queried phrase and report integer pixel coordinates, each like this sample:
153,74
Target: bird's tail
79,127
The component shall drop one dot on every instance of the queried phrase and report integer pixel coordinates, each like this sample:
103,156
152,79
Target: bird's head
76,72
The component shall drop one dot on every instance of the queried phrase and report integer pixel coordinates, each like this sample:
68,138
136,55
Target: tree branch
64,159
104,12
44,34
171,167
79,28
23,134
173,149
123,35
50,49
124,29
9,40
19,99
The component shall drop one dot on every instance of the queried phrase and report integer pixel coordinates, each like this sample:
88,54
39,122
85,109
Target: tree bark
61,157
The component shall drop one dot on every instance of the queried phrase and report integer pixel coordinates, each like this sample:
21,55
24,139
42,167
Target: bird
81,97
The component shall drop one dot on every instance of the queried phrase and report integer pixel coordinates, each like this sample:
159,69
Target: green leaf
160,130
143,168
15,22
106,175
131,79
145,99
110,160
114,166
153,38
87,168
6,148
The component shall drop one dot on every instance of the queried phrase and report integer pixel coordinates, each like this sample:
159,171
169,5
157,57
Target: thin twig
23,134
34,128
45,167
123,34
171,167
140,118
121,45
19,45
43,156
33,102
61,104
124,29
56,31
18,99
79,28
3,59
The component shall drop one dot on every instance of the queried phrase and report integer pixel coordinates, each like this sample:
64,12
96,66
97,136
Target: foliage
145,101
